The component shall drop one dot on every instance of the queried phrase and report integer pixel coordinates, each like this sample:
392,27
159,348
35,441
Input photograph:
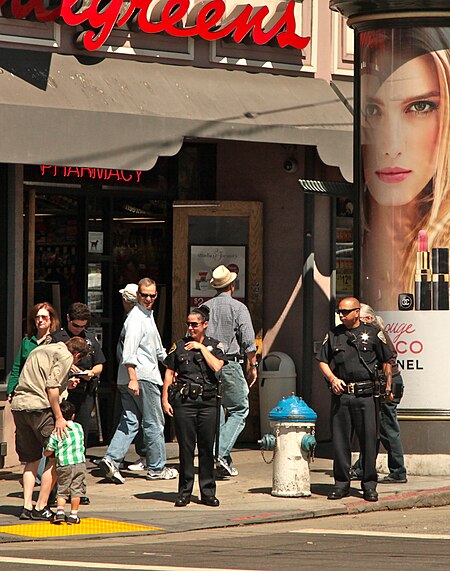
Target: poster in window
204,259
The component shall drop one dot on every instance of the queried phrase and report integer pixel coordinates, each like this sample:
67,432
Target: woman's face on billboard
400,131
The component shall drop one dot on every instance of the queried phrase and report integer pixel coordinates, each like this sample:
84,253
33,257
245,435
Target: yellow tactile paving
87,526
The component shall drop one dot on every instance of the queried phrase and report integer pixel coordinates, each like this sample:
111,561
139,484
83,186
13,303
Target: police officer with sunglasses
349,357
190,395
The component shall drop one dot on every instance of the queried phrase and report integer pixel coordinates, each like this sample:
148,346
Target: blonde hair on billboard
432,212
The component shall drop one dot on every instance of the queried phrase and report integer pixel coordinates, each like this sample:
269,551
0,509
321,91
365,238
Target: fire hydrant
294,442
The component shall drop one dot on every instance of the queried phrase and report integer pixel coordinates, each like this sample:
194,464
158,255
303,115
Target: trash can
277,379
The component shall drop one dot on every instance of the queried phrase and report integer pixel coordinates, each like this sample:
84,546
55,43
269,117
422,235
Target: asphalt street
416,539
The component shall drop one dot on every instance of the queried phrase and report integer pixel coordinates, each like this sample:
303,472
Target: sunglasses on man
346,312
150,295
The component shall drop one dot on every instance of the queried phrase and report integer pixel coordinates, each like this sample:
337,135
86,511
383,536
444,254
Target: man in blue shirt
230,323
139,382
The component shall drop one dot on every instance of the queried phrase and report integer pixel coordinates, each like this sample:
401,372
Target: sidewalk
245,499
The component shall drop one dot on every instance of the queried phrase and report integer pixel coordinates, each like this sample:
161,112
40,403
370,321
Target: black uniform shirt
95,356
191,365
340,350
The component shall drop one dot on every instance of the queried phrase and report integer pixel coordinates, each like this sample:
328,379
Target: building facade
148,147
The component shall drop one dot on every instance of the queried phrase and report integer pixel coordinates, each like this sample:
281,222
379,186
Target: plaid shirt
70,449
230,323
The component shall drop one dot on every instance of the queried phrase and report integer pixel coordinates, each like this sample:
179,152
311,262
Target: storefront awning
124,114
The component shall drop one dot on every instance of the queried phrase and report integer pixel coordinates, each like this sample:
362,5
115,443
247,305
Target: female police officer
193,404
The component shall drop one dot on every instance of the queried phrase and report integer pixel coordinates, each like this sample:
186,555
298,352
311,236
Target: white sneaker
165,474
233,472
224,469
117,478
138,466
109,470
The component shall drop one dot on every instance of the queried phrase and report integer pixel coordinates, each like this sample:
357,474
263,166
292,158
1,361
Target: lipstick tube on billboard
440,277
423,274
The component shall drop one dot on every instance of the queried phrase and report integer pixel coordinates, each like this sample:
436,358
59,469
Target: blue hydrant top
292,409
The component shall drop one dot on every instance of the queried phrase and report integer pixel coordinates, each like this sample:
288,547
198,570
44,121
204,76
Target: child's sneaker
72,519
60,517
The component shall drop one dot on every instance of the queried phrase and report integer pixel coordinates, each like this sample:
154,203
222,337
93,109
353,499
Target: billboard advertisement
405,201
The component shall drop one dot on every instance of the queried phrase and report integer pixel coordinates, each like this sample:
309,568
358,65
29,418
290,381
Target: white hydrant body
291,462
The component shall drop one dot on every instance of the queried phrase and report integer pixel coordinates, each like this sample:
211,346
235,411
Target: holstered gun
379,384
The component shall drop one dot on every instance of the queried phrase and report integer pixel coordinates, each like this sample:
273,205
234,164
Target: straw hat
221,277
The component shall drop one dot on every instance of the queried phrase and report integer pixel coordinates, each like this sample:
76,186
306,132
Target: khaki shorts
33,429
71,481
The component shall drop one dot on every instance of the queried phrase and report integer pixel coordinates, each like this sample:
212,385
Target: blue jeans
144,410
235,400
390,438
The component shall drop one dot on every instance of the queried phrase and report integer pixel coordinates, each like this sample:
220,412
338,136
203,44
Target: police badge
382,337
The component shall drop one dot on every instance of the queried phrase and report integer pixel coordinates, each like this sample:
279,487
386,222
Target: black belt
360,388
235,358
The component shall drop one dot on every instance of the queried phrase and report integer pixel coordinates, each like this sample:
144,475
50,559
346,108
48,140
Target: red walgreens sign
207,19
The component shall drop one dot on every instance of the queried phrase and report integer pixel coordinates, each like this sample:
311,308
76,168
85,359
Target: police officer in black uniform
354,350
78,317
191,398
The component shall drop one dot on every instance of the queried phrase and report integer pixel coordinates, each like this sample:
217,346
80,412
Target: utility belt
360,389
193,390
235,358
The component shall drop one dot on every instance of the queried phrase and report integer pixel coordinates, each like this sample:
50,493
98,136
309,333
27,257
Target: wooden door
233,228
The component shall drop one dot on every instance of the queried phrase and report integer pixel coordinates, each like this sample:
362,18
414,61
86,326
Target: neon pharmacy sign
206,19
91,173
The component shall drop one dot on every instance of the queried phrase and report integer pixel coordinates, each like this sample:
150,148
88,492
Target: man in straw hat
230,323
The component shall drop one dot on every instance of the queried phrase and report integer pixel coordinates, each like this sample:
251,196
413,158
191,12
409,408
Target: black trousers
350,413
84,404
195,423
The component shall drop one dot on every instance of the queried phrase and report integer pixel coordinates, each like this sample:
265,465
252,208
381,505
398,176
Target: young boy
70,465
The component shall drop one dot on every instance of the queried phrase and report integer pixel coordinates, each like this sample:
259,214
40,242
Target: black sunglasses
77,326
150,295
346,311
193,324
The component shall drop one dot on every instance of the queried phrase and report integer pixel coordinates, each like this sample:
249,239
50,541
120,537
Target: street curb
398,501
405,500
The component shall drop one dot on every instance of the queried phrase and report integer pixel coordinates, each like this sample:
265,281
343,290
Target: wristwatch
388,392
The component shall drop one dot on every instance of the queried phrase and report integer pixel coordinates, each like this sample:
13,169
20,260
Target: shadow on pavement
10,510
265,491
10,476
159,496
325,489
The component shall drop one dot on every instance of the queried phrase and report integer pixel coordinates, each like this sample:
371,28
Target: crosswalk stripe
385,535
104,565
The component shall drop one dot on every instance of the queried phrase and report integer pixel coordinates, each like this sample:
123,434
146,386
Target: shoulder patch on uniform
220,346
325,339
173,348
382,336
